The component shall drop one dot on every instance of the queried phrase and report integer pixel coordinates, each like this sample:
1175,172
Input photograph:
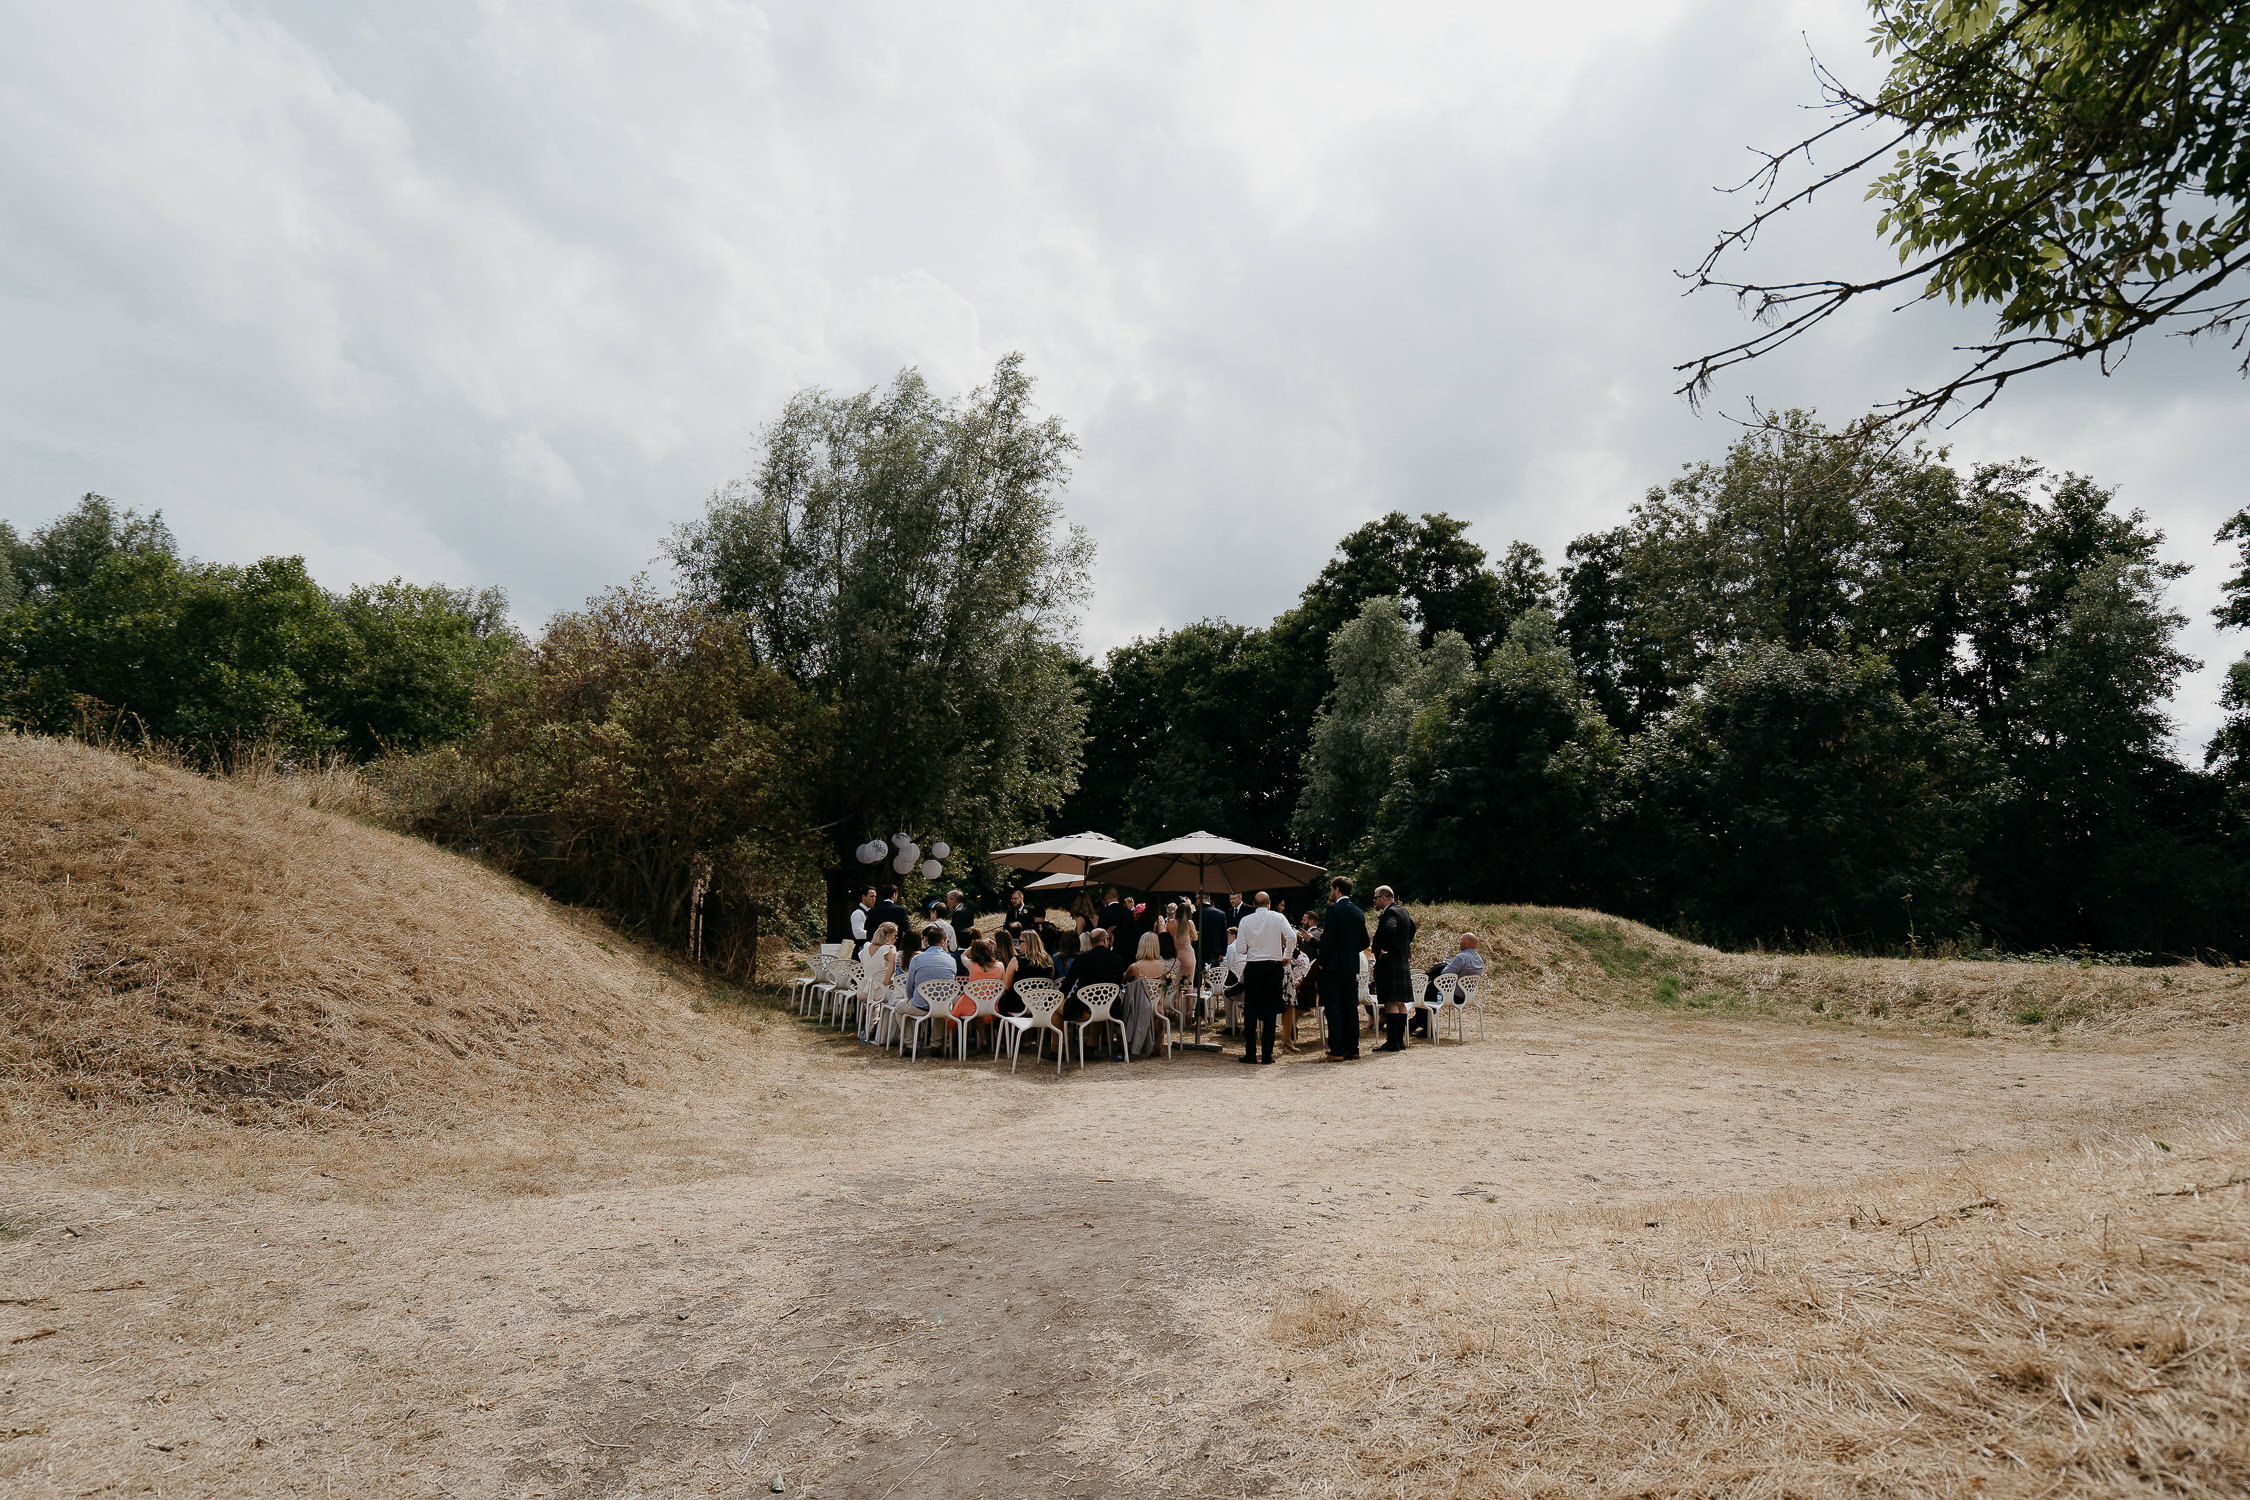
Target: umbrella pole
1197,928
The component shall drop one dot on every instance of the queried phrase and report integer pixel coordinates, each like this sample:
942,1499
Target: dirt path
910,1279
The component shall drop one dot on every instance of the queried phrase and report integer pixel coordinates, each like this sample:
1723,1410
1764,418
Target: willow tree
903,557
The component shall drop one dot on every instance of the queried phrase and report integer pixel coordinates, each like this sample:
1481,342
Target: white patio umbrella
1071,854
1063,882
1203,862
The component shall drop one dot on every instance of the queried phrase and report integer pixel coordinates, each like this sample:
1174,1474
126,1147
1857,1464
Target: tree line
1829,688
1825,688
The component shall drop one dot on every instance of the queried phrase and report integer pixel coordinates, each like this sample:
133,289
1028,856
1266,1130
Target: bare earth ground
877,1278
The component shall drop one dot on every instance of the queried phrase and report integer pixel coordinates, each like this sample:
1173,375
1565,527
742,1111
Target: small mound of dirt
163,935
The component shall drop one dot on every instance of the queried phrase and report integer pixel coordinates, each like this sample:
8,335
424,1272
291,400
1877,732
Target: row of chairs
837,984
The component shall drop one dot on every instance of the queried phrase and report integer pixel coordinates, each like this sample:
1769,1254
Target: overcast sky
499,293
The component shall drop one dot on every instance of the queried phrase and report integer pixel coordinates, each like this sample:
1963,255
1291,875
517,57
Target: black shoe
1265,1059
1392,1047
1249,1059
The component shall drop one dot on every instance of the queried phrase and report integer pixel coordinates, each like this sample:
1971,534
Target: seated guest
1099,963
1151,966
982,963
1467,961
1031,962
1003,943
933,962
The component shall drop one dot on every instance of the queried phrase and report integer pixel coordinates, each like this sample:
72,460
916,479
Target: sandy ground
875,1278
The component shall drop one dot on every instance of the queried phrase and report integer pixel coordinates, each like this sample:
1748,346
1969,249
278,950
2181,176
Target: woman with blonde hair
878,966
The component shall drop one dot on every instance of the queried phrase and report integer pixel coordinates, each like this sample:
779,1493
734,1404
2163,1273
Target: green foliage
2234,610
640,749
902,558
2081,166
65,553
418,655
1384,680
206,657
1188,730
1618,952
1502,792
111,623
1797,792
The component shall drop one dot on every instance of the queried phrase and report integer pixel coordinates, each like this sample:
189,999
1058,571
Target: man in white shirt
860,928
1265,940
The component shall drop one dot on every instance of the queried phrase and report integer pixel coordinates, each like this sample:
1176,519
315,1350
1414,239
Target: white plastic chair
1041,1000
817,993
1465,999
1423,1005
1098,999
850,975
875,1011
939,995
986,993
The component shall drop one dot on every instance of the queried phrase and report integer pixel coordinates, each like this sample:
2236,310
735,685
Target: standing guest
1237,909
1394,966
1466,961
1211,932
1265,941
1116,917
1182,924
1019,915
887,909
861,919
1164,939
1343,938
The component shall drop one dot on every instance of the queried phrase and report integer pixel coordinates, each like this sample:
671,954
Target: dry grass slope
166,937
1552,956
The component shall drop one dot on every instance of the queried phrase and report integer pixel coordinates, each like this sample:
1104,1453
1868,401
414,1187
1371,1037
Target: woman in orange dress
983,964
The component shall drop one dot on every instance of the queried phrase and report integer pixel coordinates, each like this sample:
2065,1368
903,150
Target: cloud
499,293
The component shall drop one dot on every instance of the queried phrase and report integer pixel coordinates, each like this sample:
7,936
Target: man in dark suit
1117,918
1210,933
887,909
1237,908
1343,938
1394,966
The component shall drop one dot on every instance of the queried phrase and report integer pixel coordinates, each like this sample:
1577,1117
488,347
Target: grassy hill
165,936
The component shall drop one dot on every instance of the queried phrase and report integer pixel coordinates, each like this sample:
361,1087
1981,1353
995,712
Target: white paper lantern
869,853
899,840
902,864
941,849
912,851
931,869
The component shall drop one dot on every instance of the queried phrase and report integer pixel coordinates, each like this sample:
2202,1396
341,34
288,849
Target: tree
65,553
1188,730
1384,678
1502,790
2081,165
2229,750
1795,792
641,755
418,655
902,558
209,658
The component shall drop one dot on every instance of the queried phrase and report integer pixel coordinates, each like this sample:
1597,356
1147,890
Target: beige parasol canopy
1063,882
1070,854
1202,862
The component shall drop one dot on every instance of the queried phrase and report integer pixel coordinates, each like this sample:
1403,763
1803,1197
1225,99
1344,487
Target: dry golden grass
165,936
1550,955
2066,1323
